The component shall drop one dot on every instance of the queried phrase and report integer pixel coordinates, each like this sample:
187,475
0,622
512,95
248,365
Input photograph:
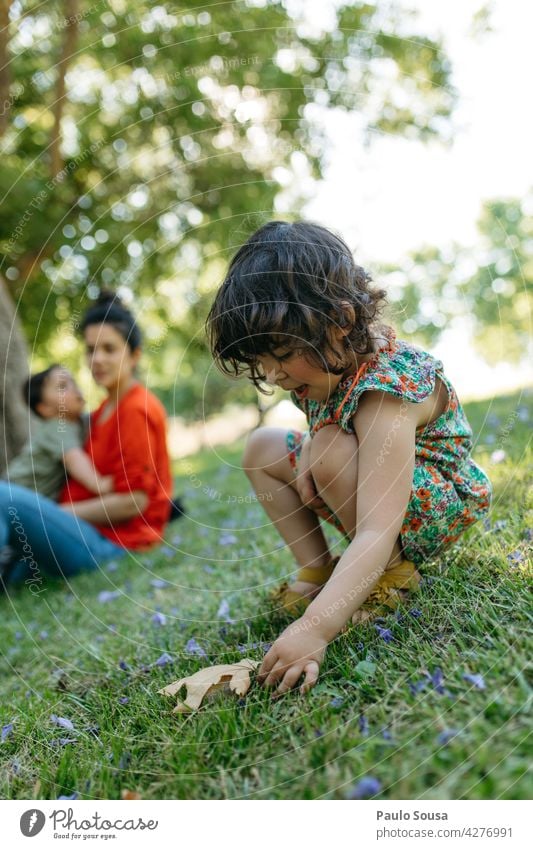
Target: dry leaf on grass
130,794
231,677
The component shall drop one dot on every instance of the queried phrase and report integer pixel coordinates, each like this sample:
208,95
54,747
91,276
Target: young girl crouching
387,456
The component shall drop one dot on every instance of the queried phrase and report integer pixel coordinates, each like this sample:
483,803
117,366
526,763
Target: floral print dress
449,491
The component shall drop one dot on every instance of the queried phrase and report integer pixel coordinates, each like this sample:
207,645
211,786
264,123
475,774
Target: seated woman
127,440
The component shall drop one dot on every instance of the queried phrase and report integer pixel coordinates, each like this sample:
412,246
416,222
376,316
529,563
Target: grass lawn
399,711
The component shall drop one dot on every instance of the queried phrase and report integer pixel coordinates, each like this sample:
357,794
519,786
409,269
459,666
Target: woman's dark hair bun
109,309
107,298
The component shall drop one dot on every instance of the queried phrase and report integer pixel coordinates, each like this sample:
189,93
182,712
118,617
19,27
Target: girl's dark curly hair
288,285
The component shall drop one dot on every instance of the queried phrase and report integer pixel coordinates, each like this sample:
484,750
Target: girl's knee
256,448
265,449
333,451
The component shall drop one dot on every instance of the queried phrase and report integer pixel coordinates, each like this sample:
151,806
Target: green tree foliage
142,143
490,282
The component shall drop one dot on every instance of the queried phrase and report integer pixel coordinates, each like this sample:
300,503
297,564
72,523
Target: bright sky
400,194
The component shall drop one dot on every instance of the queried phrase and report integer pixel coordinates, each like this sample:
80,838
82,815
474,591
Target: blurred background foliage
142,143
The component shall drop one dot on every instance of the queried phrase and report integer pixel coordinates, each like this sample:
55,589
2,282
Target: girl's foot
393,589
296,598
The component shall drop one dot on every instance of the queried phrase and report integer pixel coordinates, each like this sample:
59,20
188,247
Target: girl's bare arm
385,428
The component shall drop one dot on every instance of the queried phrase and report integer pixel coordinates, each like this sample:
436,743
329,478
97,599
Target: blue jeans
47,540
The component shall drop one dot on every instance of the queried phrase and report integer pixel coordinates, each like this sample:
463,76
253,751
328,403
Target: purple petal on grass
43,635
364,789
112,566
414,611
447,735
516,556
242,648
419,685
124,700
7,731
108,595
176,540
227,539
159,618
437,679
363,725
209,570
385,733
384,633
123,665
159,583
74,795
223,612
163,659
477,680
168,551
195,648
336,702
62,721
528,534
500,525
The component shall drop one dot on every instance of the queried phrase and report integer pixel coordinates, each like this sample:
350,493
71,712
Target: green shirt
40,466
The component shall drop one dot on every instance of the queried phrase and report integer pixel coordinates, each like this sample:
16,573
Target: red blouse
131,446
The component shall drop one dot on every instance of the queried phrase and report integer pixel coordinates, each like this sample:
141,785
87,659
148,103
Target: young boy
54,448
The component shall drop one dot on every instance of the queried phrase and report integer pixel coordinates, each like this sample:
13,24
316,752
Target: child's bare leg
266,463
334,468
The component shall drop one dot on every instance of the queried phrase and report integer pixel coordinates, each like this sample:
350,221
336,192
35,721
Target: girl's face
291,371
109,357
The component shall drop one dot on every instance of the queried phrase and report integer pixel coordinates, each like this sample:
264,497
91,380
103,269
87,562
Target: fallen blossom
385,633
364,789
163,659
108,595
7,730
477,680
159,618
437,680
447,735
195,648
62,721
515,557
227,539
363,725
223,612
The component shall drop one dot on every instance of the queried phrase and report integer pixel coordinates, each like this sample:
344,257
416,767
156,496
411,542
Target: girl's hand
298,651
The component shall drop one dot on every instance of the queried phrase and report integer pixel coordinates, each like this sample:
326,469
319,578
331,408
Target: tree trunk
14,421
5,78
67,51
